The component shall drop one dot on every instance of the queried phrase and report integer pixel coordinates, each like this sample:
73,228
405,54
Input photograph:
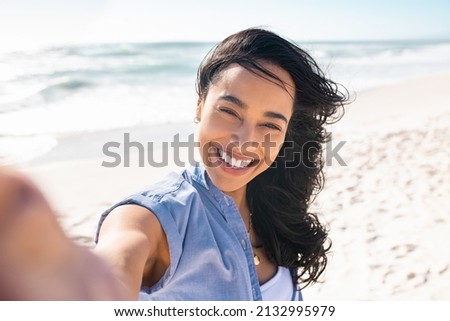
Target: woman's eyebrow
236,101
272,114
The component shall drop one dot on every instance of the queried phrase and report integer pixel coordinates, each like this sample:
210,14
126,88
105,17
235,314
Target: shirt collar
200,175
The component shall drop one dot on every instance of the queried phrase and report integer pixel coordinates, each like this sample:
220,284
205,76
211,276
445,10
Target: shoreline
90,145
366,112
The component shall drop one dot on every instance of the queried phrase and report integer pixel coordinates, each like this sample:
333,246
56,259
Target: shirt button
244,245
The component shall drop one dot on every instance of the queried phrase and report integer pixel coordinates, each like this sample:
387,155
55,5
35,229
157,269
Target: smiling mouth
233,162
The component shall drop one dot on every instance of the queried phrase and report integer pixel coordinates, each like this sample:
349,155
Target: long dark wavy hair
280,197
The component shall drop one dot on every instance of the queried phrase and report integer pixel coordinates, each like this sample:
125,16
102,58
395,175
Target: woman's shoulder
174,193
179,184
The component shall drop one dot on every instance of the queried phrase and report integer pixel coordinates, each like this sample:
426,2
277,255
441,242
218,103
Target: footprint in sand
403,250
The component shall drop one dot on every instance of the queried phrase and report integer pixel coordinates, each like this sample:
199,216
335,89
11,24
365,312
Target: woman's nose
246,139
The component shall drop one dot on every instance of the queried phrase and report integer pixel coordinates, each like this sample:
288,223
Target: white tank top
279,288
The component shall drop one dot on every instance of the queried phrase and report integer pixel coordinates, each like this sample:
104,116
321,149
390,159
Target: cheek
272,156
272,148
212,127
207,134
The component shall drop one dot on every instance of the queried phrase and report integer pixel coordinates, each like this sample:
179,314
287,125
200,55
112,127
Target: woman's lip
239,156
254,162
231,169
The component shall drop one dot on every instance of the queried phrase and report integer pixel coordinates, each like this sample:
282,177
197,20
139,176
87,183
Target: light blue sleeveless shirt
211,257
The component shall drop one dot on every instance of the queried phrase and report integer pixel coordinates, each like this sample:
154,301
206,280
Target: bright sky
26,22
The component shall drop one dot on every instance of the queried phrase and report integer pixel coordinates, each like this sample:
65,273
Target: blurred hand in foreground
38,261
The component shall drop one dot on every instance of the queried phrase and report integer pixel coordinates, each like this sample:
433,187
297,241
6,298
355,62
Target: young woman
236,226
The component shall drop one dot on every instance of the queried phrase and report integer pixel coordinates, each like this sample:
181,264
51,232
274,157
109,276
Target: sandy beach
387,207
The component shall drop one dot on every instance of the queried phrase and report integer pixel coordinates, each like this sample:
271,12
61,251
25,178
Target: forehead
245,83
236,71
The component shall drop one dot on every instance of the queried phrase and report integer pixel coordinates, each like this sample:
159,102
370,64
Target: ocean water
53,93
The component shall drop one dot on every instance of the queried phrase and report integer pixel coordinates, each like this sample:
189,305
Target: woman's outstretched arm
133,243
38,261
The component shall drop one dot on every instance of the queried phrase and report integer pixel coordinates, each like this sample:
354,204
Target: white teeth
229,159
233,161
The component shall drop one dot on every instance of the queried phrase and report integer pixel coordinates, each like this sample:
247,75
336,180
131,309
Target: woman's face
243,123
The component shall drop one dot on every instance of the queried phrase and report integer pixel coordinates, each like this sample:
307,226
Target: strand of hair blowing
279,198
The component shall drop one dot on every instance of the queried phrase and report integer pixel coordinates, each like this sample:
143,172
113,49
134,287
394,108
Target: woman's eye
272,126
229,112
